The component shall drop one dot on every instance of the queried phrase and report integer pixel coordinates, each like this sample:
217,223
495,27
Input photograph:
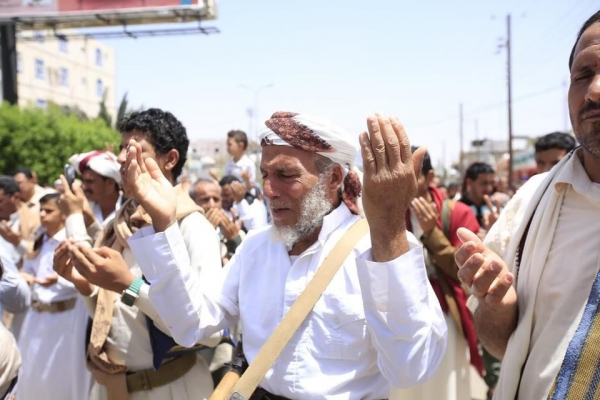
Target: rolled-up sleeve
190,313
404,316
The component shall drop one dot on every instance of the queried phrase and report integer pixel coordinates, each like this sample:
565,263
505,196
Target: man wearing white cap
377,322
101,178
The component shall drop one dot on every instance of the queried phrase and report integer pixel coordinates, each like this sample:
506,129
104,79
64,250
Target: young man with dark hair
136,358
240,165
551,148
434,220
535,280
478,186
54,330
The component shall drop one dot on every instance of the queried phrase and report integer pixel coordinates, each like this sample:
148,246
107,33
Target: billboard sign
37,14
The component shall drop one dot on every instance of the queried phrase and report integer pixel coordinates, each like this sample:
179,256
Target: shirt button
336,320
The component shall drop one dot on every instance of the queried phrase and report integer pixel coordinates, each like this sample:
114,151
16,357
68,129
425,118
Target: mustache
278,204
589,106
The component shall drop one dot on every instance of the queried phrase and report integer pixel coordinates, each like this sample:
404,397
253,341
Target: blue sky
417,60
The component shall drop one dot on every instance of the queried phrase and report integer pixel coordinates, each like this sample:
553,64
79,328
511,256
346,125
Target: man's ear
171,159
430,176
336,179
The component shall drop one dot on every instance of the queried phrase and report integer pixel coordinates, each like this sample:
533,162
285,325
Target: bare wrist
161,225
86,289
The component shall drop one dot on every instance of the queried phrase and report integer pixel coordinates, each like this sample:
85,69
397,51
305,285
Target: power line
492,106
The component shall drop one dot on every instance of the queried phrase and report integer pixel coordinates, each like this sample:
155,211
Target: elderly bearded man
378,322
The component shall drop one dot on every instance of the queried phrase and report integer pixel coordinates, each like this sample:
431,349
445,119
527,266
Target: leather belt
147,379
262,394
55,307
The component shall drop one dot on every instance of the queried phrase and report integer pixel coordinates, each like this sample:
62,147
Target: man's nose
593,93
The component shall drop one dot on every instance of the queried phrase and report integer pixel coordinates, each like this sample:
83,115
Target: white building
73,72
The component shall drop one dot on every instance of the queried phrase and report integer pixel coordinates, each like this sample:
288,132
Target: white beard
313,209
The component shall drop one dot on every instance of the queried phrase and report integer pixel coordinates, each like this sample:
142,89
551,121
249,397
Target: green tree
43,140
104,114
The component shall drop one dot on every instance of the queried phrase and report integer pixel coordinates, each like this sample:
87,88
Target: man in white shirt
207,194
378,322
31,192
535,280
101,179
14,297
131,354
53,333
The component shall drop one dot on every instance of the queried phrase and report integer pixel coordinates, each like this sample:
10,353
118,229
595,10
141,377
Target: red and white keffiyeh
317,135
103,163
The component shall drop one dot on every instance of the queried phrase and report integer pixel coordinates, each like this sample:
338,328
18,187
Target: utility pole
256,92
8,43
476,123
509,84
460,132
565,106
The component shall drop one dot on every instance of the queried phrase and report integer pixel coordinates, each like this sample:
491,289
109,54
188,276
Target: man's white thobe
375,323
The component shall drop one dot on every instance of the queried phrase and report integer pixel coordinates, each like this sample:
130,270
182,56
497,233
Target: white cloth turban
317,135
103,163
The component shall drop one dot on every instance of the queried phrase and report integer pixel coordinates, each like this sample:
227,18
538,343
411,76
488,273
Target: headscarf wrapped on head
103,163
320,136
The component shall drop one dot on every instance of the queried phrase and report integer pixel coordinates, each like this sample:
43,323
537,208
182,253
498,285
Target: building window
99,57
99,88
19,63
64,77
41,103
38,37
39,69
62,44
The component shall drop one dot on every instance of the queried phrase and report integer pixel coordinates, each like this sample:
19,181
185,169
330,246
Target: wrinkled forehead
207,188
590,39
286,157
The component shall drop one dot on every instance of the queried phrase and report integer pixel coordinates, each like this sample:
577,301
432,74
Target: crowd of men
132,283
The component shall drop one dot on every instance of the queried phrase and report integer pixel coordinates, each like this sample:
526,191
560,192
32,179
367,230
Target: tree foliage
104,114
43,140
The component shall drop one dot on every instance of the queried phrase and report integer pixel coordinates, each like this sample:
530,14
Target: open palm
150,188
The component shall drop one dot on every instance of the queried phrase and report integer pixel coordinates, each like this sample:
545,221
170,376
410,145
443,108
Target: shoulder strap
447,208
298,313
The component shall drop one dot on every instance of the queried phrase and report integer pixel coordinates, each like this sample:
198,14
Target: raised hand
238,190
486,274
104,267
426,213
390,183
64,267
230,228
8,234
150,188
213,217
73,201
491,218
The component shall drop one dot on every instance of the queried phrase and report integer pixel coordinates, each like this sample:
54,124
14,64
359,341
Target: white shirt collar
58,236
333,220
573,173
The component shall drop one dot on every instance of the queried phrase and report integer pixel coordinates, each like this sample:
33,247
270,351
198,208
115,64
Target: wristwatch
131,294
